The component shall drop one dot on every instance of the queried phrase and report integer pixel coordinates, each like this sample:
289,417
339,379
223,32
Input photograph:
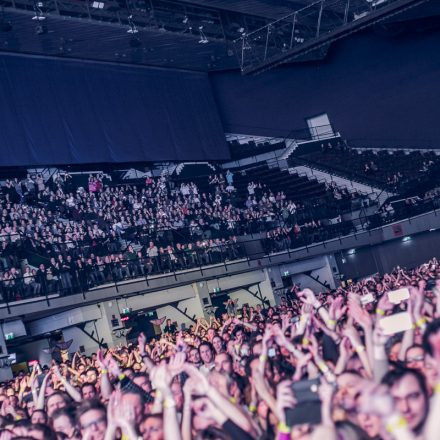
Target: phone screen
396,323
399,295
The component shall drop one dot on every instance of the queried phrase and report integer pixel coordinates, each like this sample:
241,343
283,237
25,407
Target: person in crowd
318,365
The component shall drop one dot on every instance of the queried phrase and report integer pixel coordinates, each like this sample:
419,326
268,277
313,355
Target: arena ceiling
185,34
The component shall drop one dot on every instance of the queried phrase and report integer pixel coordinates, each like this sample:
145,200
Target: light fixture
98,5
39,15
351,252
132,29
407,238
185,20
241,30
203,39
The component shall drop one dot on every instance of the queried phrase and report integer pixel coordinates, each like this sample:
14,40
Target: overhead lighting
407,238
185,20
39,15
203,39
240,30
351,252
98,5
133,29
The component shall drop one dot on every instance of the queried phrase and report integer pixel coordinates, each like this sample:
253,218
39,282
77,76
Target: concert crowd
352,363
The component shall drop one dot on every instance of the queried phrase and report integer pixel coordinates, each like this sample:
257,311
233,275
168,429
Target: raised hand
285,399
337,308
142,340
308,297
361,316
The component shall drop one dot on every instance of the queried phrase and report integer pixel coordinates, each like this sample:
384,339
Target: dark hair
87,384
394,376
48,433
69,412
432,328
66,397
208,344
89,405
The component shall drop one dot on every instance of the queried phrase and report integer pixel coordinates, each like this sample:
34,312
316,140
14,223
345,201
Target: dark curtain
70,112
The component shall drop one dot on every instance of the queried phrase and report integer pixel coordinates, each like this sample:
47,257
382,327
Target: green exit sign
126,310
286,273
217,289
9,336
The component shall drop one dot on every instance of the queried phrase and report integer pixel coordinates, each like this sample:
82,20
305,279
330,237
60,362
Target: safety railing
66,276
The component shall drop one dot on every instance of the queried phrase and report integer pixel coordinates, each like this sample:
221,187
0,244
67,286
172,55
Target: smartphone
271,352
367,299
396,323
294,320
399,295
308,407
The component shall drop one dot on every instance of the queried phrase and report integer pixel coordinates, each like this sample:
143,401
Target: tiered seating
395,170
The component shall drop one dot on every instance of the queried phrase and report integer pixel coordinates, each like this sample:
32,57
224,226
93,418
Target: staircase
374,193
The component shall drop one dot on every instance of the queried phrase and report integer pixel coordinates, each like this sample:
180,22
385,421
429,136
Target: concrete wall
80,339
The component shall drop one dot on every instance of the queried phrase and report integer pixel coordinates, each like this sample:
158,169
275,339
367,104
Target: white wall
80,338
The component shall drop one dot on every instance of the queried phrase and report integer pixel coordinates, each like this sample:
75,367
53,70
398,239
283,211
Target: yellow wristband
331,322
233,400
263,357
323,367
394,426
380,312
421,322
121,376
104,371
305,342
169,403
283,428
359,349
437,388
252,408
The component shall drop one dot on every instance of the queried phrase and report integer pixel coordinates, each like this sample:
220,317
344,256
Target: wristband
263,357
380,312
233,400
359,349
283,428
169,403
323,367
252,408
394,426
331,322
104,371
421,322
437,388
121,376
305,342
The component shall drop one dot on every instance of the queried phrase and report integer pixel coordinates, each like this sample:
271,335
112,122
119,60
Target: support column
109,327
5,366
